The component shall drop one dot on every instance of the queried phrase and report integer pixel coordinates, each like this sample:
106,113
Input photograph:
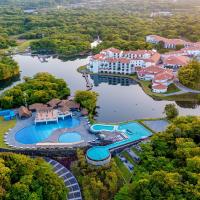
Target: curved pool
102,127
37,133
70,137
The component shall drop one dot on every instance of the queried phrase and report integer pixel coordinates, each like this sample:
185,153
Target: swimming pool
102,127
134,132
37,133
70,137
98,153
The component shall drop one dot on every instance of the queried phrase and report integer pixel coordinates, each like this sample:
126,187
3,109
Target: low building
168,43
24,112
175,62
54,103
161,78
159,88
192,51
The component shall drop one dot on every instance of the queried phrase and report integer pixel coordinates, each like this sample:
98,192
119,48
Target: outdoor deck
50,116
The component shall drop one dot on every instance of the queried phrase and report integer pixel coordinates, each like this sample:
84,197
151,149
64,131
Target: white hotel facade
114,61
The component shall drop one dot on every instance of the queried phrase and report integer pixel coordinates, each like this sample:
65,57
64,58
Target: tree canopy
39,89
8,68
189,75
23,178
171,111
97,182
87,99
170,165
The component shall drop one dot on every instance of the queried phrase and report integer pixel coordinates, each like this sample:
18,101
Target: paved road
185,89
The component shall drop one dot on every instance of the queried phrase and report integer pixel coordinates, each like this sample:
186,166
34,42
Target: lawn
172,88
4,127
22,46
125,172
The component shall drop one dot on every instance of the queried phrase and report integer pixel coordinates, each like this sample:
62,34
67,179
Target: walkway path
88,83
185,89
69,179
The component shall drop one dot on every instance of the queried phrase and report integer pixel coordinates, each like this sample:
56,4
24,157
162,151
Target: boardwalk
89,85
69,179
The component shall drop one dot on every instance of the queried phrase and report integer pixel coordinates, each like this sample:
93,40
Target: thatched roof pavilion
64,109
70,104
39,106
54,103
24,112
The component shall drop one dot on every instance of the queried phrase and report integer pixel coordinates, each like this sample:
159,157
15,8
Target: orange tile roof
159,87
176,60
166,75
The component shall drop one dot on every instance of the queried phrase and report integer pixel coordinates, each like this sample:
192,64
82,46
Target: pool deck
83,129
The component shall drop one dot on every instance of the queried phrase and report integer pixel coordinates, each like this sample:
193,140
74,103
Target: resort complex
149,65
62,124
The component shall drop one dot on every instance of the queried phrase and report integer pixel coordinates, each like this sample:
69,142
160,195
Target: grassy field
4,127
172,88
125,172
23,45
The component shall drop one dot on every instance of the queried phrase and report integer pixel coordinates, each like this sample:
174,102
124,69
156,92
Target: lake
120,99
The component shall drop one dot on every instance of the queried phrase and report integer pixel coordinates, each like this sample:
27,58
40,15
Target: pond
120,99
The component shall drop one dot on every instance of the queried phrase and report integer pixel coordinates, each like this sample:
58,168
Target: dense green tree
171,111
23,178
87,99
189,75
39,89
8,68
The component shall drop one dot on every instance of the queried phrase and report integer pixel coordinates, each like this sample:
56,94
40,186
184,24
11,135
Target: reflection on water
120,98
188,104
7,83
123,99
111,80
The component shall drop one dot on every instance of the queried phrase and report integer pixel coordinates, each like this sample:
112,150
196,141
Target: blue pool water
98,153
102,127
70,137
133,130
37,133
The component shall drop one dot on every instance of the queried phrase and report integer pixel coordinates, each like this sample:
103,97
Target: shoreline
166,96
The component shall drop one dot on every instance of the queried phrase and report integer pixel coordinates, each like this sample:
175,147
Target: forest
39,89
29,179
70,31
170,165
97,182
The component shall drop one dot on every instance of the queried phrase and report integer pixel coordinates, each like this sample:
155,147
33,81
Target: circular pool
98,155
70,137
